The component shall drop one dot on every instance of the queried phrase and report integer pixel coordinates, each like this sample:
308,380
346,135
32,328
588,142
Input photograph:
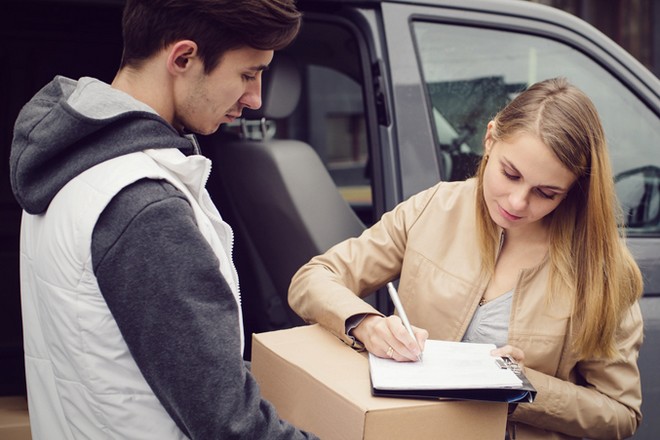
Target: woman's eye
509,175
546,195
249,77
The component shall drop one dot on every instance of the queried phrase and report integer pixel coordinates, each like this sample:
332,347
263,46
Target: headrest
280,90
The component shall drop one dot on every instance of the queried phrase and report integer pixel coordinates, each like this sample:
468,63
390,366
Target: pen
402,314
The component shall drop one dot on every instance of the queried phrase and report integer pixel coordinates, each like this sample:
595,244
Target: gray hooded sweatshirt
156,272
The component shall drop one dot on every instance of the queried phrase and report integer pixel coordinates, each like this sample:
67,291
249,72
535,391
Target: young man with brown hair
131,305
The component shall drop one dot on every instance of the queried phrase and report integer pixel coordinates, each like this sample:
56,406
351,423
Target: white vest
82,381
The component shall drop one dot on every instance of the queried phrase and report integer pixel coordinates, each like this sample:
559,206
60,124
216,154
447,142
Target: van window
470,73
337,131
330,115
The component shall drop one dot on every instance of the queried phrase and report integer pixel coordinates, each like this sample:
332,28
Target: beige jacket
430,242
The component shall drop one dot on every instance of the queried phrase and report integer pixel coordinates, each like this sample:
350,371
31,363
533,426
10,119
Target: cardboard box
321,385
14,420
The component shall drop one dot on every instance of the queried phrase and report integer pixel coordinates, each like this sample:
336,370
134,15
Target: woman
526,255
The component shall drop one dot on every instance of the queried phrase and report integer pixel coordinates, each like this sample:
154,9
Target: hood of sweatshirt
69,126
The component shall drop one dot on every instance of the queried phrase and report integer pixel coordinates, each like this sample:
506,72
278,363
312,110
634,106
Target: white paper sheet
445,365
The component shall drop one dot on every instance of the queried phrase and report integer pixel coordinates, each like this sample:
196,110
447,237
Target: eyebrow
551,187
262,67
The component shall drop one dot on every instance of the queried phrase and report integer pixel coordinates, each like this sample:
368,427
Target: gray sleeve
178,316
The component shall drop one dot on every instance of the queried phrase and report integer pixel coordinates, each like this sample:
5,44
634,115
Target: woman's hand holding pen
388,338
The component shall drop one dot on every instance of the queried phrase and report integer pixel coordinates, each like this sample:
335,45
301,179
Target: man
131,305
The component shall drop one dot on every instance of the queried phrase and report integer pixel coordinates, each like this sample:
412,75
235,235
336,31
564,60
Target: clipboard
452,371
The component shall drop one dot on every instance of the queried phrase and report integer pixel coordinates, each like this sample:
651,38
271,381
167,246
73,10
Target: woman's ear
180,56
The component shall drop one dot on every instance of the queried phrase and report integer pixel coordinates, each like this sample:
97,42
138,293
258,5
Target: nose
252,96
519,199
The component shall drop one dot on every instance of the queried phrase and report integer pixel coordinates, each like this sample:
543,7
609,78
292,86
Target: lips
507,215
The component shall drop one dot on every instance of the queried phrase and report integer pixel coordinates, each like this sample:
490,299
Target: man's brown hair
217,26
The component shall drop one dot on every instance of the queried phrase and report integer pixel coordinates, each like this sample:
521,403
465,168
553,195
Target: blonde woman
526,255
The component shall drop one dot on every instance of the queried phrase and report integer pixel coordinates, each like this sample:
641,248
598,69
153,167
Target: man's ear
180,56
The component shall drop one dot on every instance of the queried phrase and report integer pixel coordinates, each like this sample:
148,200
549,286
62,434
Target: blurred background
630,23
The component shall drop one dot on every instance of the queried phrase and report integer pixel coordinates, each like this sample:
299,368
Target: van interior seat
278,196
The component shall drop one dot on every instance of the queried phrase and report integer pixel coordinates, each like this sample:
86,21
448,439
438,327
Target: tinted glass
337,131
471,73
